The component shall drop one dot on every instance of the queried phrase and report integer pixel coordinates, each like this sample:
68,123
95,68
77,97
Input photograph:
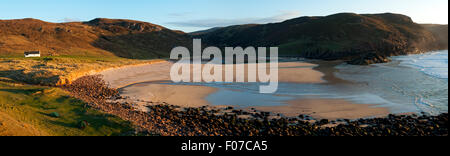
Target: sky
194,15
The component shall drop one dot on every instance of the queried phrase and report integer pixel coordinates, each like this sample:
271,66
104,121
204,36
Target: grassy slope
25,110
57,69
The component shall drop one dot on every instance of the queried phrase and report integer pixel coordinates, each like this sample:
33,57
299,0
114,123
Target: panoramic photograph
224,68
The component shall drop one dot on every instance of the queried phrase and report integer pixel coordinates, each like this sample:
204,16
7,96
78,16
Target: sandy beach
121,77
144,83
179,95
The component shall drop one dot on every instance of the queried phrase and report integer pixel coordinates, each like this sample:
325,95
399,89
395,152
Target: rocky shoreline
168,120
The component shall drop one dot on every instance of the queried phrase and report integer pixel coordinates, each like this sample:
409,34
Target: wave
434,64
408,82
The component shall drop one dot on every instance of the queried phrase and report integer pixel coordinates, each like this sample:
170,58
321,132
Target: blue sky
192,15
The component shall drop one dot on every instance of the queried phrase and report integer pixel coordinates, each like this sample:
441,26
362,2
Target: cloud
66,20
208,23
181,14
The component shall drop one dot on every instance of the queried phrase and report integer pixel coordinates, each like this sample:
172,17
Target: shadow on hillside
149,45
21,91
37,77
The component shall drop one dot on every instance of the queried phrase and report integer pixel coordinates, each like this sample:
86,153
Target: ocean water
434,64
413,83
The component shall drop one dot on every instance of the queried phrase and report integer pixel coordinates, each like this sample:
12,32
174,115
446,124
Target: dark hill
205,31
361,39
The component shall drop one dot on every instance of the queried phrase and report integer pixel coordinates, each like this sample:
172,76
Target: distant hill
99,37
359,38
201,32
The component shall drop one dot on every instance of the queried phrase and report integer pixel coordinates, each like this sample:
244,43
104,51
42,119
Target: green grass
33,105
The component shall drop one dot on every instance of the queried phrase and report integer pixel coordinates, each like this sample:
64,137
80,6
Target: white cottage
32,54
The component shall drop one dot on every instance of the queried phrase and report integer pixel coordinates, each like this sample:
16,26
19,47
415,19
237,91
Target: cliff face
360,39
99,37
440,32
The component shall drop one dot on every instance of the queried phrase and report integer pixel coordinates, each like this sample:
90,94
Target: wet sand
300,72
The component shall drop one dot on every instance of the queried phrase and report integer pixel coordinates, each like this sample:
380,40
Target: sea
409,84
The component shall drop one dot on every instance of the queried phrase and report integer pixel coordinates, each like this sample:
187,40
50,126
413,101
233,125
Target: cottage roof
32,52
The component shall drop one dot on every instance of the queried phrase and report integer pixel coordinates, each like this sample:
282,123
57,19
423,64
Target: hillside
440,32
361,39
99,37
201,32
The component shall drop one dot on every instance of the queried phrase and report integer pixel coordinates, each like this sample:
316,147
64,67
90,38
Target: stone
55,114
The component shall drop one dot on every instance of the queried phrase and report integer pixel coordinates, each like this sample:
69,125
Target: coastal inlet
331,90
